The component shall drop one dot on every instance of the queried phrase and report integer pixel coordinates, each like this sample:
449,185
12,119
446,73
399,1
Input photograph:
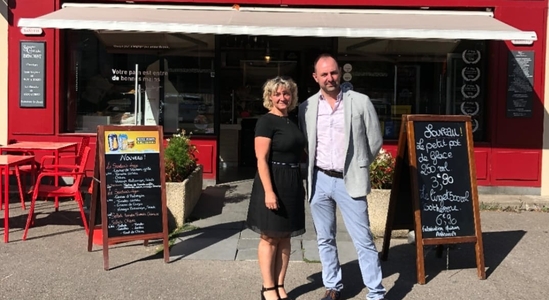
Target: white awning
352,23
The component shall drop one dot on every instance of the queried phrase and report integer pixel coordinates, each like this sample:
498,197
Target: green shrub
179,157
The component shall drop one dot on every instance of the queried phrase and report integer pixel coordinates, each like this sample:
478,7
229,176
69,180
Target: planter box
182,197
378,206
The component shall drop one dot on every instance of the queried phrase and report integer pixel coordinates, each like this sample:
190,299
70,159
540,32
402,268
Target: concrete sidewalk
217,260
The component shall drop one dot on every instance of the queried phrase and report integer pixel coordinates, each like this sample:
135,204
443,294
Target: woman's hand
271,201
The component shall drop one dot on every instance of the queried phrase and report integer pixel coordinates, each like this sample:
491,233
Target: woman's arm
262,147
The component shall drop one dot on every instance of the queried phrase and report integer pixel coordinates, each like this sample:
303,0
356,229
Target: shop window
417,77
127,78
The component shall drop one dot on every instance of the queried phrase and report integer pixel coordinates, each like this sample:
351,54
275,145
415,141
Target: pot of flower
183,178
381,179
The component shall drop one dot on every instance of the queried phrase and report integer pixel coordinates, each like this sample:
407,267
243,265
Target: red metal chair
73,191
17,173
85,142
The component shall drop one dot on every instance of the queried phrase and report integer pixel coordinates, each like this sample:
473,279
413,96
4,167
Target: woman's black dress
287,144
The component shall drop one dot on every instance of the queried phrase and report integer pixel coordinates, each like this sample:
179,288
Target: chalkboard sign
520,84
443,177
33,74
434,180
131,189
134,193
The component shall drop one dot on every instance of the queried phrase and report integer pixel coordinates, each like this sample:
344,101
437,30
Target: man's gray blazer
363,140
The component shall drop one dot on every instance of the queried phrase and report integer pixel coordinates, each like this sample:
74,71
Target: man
343,138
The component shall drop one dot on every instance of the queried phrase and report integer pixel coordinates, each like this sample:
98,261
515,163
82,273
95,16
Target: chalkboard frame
99,195
406,161
42,45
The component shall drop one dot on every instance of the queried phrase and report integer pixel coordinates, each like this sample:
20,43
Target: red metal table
7,162
53,147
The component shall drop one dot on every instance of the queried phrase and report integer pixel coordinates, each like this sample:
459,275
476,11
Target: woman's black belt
331,173
291,165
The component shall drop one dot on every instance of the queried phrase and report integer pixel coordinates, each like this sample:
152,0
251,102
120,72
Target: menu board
129,191
443,178
434,181
33,74
520,84
132,178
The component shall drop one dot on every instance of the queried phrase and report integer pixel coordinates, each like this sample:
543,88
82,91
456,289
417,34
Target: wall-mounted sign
31,31
522,42
33,74
520,84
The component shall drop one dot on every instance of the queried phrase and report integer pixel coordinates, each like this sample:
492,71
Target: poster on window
520,84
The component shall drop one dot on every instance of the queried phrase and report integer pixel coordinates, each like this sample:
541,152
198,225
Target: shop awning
353,23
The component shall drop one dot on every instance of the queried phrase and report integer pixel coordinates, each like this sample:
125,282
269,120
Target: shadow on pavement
199,239
213,199
402,262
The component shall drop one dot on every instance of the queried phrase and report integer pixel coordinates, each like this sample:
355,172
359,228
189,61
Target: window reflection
122,78
417,77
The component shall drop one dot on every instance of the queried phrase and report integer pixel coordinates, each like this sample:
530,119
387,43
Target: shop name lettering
31,52
129,75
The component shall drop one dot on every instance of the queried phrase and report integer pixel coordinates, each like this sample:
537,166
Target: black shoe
264,289
282,286
331,295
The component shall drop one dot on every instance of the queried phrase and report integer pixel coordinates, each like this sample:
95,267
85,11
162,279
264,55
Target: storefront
200,68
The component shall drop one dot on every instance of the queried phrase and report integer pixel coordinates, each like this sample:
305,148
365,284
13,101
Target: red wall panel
482,163
207,155
517,166
38,121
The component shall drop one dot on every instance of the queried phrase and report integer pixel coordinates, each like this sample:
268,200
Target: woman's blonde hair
272,85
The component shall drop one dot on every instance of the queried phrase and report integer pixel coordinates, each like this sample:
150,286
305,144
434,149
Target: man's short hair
323,55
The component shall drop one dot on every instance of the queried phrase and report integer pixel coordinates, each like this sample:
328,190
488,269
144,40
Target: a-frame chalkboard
129,189
434,189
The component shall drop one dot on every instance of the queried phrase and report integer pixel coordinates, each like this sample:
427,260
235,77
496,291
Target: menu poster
444,181
520,84
130,189
33,74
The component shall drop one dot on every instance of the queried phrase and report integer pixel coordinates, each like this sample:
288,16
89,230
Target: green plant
179,157
381,170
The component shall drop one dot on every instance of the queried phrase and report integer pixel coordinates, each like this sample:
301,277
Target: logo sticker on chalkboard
470,108
471,56
470,91
470,73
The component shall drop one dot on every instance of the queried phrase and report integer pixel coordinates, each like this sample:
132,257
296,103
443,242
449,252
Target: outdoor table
7,162
53,147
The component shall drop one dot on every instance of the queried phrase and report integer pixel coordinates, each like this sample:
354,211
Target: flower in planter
179,157
381,170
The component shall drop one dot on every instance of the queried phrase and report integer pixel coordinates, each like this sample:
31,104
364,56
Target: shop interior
196,82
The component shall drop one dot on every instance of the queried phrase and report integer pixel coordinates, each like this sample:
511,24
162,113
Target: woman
277,208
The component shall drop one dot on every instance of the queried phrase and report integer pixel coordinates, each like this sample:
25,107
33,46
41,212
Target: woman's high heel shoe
281,286
264,289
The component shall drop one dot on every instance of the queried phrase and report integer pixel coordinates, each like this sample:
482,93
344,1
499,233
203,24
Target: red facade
510,157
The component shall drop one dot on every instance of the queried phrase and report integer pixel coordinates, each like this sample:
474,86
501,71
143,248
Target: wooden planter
378,205
182,197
